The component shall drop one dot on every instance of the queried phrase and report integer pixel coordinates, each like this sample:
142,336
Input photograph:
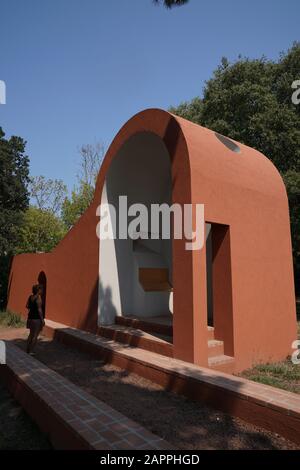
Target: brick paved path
95,424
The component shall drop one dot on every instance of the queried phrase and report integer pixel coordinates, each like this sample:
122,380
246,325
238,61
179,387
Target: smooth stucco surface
245,200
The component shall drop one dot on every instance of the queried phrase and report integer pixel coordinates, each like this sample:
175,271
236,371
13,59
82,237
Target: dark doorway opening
219,284
42,280
209,278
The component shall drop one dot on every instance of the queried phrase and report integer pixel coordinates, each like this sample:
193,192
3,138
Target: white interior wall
109,301
142,171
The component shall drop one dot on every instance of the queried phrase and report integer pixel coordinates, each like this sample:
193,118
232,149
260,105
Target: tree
292,182
40,232
75,206
171,3
48,194
14,199
245,101
250,101
14,179
91,157
189,110
286,72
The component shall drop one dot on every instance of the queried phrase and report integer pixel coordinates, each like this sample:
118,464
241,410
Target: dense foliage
14,198
40,232
251,101
171,3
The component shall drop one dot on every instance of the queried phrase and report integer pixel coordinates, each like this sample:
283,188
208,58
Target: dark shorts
35,326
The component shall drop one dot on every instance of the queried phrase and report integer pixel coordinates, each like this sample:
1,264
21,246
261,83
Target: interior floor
159,320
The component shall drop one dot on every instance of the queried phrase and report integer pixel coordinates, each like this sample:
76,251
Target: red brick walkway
71,417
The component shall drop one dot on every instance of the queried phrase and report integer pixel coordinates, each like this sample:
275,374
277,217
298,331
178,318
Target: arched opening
42,280
136,275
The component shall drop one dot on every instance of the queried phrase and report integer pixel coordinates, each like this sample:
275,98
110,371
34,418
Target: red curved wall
243,191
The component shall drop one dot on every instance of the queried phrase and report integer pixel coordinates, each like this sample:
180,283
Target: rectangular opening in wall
219,284
209,293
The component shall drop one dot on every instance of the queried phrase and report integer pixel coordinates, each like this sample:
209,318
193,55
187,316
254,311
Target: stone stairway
155,335
217,360
138,338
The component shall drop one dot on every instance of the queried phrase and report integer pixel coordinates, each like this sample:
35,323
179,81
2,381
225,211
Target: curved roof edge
207,154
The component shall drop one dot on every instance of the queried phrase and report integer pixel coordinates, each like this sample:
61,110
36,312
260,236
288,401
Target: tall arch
42,280
188,328
136,274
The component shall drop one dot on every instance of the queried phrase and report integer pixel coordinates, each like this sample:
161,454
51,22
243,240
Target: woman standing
35,320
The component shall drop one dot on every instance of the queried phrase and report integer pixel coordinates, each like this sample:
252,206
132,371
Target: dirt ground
17,430
186,424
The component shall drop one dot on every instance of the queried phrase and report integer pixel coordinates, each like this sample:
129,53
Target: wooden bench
155,279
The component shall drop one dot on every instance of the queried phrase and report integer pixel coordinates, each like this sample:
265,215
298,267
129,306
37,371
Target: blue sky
77,70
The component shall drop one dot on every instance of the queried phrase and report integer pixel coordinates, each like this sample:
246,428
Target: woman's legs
35,329
35,338
29,339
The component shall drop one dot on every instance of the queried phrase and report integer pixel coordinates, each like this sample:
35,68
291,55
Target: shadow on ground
182,422
17,430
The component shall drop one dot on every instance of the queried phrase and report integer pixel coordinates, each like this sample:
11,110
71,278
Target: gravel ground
17,430
186,424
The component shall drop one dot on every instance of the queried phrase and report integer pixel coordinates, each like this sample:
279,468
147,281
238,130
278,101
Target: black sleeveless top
33,308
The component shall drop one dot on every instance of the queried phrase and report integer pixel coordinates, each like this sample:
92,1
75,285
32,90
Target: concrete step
157,325
150,325
159,344
222,363
211,333
215,348
138,338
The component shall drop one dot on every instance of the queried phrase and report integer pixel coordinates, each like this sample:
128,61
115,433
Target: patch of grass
285,375
11,319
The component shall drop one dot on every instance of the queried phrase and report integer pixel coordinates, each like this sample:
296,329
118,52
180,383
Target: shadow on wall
107,308
89,316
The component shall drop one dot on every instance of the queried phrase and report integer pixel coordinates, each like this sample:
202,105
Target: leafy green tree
171,3
191,110
91,157
42,228
251,102
286,72
14,199
40,232
292,182
75,206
